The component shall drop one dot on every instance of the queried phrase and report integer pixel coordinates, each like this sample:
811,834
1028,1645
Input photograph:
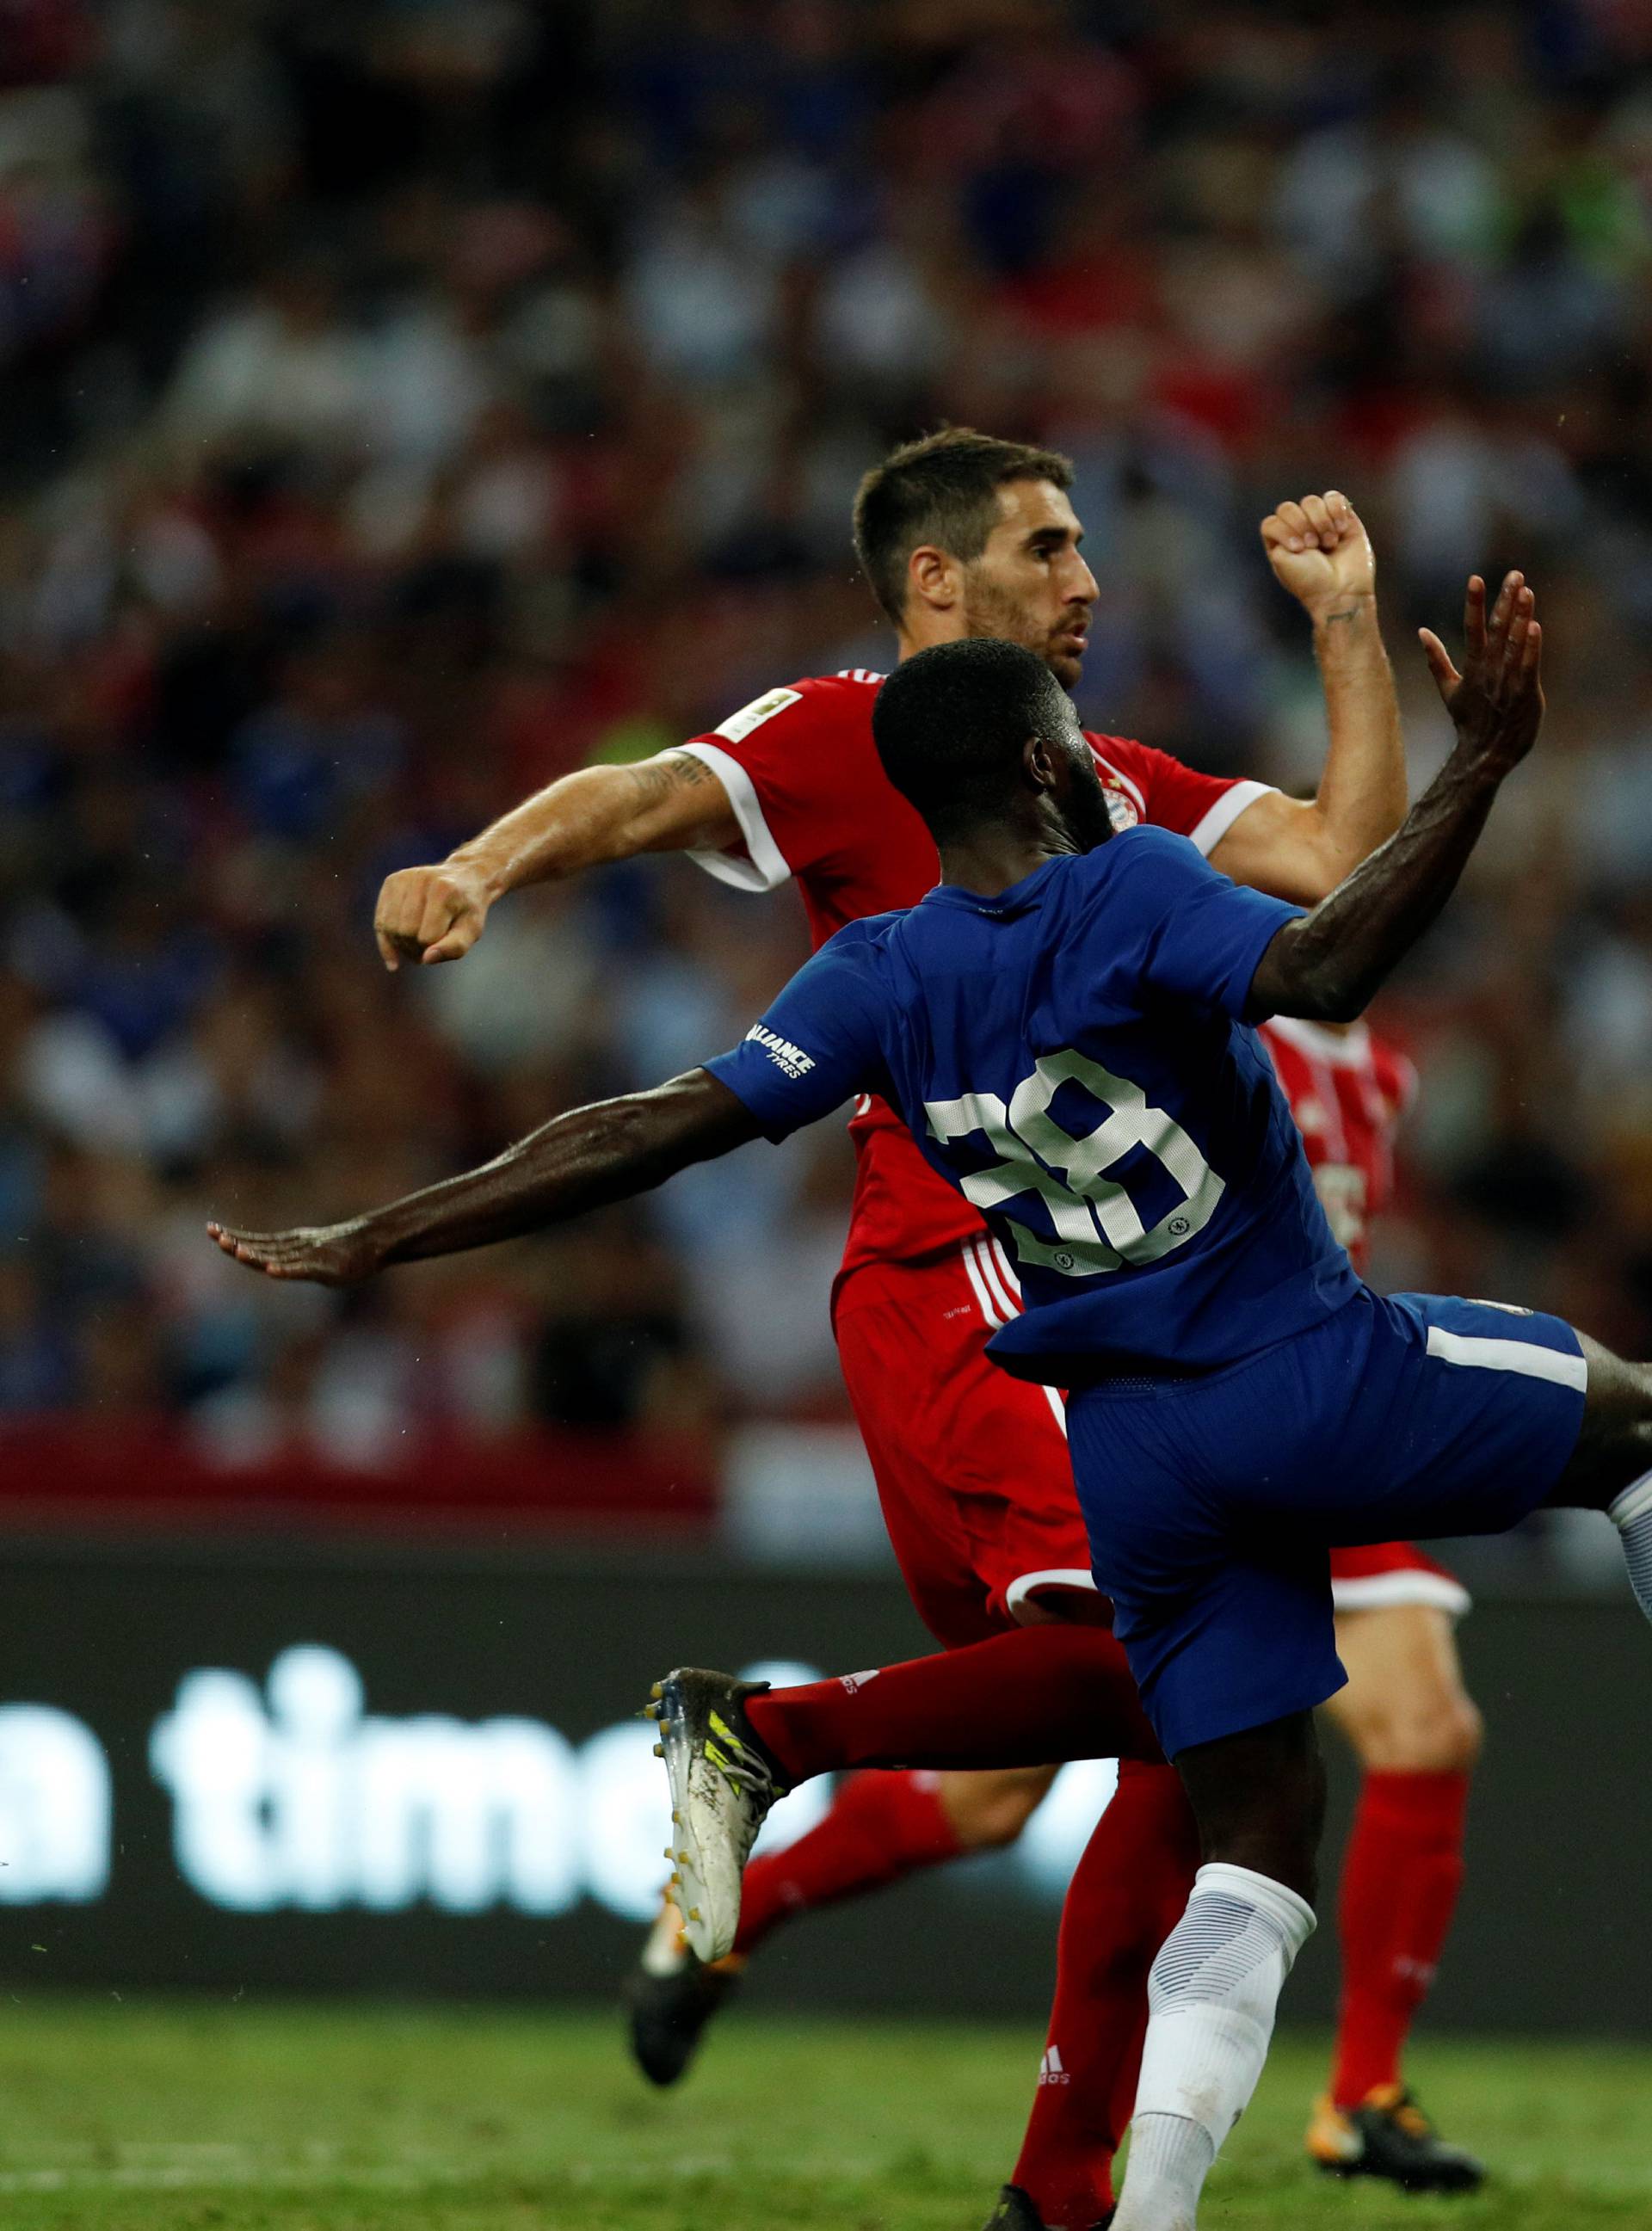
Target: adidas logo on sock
1050,2070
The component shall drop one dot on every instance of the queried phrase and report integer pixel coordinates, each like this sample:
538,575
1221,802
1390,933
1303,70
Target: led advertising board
421,1769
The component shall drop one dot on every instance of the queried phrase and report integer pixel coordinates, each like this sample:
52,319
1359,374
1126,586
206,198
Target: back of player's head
951,724
943,489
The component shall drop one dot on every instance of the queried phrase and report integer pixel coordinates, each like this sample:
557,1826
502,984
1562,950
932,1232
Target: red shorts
972,1466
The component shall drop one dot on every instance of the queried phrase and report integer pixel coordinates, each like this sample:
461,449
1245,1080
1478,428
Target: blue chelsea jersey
1071,1054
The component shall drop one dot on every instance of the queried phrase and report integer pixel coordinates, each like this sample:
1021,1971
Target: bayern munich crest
1121,810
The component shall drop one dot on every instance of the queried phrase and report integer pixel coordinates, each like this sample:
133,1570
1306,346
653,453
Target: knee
1273,1832
1614,1447
1459,1737
1284,1853
988,1810
1433,1731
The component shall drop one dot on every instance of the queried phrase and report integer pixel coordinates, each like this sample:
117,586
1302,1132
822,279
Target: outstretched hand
1496,701
328,1254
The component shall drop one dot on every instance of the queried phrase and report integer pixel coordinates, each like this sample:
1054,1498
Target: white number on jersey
1095,1223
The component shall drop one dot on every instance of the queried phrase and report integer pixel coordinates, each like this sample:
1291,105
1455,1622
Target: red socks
881,1827
1127,1894
1400,1881
1026,1698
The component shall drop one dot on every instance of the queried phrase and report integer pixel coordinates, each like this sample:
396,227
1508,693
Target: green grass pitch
215,2116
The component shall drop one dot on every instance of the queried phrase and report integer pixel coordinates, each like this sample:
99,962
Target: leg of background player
1417,1735
882,1828
1258,1798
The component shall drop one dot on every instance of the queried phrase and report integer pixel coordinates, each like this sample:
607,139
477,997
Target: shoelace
738,1765
1404,2112
1411,2118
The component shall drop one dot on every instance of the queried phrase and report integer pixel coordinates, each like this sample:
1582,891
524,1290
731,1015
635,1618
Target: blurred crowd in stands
408,402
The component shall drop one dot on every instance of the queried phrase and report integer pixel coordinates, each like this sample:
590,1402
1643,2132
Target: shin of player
1416,1734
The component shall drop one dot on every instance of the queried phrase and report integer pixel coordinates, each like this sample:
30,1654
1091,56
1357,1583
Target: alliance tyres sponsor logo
785,1056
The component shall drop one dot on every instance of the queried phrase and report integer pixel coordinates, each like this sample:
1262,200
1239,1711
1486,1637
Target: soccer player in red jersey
1405,1711
961,535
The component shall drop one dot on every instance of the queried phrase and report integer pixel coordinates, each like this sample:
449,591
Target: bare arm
673,802
1302,849
578,1162
1327,964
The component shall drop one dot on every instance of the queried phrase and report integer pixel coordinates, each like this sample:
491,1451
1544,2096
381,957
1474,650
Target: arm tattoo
655,779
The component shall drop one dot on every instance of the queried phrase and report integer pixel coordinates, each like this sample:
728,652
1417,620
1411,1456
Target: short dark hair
941,489
950,723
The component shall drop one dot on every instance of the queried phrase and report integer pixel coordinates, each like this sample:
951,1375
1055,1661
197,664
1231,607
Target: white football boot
722,1782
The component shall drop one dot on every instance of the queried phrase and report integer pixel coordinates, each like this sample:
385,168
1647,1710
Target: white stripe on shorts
1525,1356
987,1257
993,1283
972,1269
1026,1585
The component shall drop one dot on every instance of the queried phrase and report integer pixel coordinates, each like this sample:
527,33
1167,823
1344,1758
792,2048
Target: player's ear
932,578
1038,759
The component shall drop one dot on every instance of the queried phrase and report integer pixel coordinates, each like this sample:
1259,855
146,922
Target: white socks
1632,1516
1211,1998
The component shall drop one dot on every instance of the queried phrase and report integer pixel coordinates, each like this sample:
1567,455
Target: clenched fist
1319,550
430,913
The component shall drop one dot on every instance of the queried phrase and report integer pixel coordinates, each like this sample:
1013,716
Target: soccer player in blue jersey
1064,1025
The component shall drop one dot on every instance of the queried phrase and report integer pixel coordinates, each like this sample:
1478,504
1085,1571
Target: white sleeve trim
766,867
1226,810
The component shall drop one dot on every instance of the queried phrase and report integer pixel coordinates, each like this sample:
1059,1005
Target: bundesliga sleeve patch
790,1059
739,725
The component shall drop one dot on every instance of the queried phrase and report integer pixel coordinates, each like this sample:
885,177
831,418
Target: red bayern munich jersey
1348,1091
809,791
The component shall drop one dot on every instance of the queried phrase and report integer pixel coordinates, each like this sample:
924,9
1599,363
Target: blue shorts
1211,1502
